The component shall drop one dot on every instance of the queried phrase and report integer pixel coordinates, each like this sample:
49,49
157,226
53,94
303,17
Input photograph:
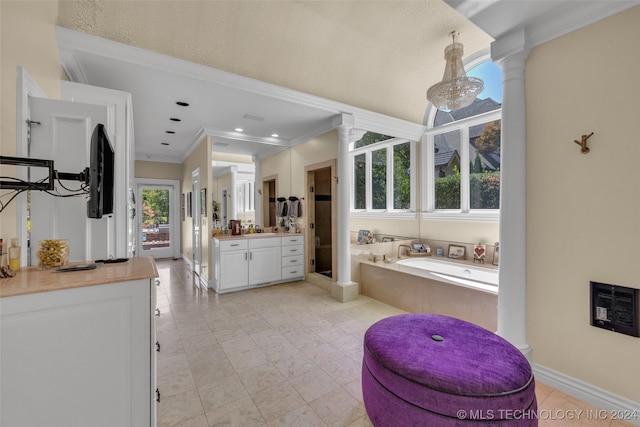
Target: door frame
310,243
26,88
175,226
196,227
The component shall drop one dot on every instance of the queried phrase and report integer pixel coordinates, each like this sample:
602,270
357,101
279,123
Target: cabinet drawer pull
157,312
293,260
157,282
293,250
293,272
235,244
157,346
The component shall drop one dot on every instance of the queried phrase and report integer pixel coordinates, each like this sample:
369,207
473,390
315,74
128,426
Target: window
461,155
382,180
244,197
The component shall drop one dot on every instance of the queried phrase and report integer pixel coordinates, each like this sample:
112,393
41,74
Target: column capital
511,45
344,120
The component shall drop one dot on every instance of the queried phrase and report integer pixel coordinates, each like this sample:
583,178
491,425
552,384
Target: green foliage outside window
155,206
401,176
485,191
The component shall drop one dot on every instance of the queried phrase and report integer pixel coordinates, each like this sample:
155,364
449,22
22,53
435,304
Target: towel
281,206
295,209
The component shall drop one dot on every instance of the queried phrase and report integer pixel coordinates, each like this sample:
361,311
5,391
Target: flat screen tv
101,174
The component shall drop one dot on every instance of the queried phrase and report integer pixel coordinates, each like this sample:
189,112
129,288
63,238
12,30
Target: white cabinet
242,263
264,260
233,269
232,264
293,258
79,357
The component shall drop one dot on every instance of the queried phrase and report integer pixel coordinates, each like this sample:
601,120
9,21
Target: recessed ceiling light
239,129
182,104
164,143
274,135
174,119
170,131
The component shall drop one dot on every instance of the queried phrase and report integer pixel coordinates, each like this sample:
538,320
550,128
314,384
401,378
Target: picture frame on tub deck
457,251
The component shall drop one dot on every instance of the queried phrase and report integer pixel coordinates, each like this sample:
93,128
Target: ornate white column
257,192
344,289
232,194
511,53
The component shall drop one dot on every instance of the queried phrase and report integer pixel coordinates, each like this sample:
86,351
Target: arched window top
490,98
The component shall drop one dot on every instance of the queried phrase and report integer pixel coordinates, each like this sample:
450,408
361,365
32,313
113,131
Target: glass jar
53,253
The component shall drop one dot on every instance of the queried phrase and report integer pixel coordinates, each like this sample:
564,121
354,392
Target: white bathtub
459,274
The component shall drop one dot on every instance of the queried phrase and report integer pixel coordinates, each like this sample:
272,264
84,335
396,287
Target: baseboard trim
589,393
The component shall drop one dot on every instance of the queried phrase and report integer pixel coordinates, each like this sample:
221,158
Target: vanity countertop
255,235
30,280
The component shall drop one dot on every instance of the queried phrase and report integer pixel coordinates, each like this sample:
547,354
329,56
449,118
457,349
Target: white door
158,220
195,203
64,136
120,129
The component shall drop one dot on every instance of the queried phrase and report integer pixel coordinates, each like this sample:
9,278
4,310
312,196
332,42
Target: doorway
269,202
322,219
158,226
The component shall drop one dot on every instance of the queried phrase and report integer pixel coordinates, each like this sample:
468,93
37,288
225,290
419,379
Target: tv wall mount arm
47,185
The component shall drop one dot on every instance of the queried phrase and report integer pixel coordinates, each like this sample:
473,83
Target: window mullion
368,181
428,180
464,170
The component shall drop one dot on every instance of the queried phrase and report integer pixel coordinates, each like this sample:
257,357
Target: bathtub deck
417,294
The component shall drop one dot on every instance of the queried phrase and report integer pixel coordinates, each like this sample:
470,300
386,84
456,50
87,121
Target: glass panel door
156,221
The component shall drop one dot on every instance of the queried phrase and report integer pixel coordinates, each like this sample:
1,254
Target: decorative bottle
14,254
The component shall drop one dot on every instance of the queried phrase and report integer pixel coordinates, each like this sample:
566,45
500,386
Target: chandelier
456,90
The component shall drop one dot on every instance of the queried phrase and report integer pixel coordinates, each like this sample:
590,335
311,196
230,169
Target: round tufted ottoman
431,370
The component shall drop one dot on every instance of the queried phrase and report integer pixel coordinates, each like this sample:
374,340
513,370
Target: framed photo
189,213
182,207
456,252
363,237
203,202
417,247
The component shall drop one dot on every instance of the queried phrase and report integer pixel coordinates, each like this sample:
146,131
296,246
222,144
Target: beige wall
199,158
158,170
582,210
289,167
27,38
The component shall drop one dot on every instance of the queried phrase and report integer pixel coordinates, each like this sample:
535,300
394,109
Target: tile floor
284,355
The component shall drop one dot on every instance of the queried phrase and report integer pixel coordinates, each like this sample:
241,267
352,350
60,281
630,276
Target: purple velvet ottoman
431,370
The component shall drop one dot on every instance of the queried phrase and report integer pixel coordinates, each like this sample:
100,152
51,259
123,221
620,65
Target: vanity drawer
292,250
290,261
292,240
292,272
233,245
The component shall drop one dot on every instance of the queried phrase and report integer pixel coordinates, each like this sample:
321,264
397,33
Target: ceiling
290,68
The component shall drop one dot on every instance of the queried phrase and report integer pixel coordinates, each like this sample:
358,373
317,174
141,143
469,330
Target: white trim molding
596,396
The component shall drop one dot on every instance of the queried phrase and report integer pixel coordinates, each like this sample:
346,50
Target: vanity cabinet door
264,265
233,269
